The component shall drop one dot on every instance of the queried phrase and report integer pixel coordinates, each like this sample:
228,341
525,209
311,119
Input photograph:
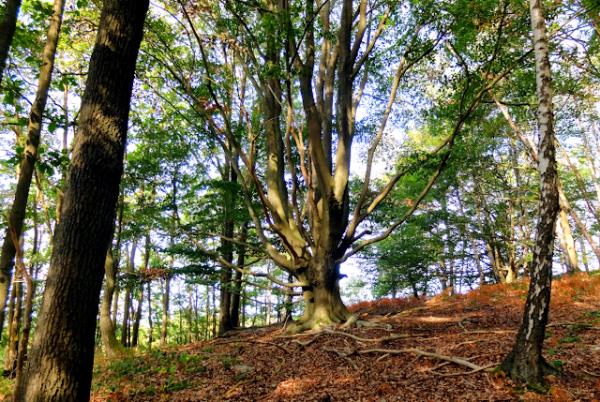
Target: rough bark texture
8,25
34,128
60,368
525,362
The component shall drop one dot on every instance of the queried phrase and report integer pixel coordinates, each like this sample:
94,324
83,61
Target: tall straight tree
60,368
8,25
34,128
525,362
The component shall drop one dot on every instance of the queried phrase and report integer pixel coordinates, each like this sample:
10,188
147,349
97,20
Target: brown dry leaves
478,327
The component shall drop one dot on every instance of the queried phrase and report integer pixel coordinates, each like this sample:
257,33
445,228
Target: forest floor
463,337
446,348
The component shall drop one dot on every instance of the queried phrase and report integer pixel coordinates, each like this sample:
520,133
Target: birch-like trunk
525,362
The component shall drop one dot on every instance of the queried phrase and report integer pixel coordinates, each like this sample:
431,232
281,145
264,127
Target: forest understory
445,348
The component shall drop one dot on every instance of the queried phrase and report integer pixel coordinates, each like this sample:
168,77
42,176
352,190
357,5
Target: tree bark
8,25
525,362
165,313
323,304
567,243
112,348
150,326
125,329
60,368
27,166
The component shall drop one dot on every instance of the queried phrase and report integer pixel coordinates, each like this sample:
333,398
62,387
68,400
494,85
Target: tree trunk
150,326
27,313
8,25
165,312
322,300
27,166
584,257
60,367
135,331
525,362
237,281
567,243
14,327
125,329
111,345
225,294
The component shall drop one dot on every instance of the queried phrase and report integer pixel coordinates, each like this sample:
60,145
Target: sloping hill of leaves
442,349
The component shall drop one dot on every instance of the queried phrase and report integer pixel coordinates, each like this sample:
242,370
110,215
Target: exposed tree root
368,340
345,356
320,323
452,359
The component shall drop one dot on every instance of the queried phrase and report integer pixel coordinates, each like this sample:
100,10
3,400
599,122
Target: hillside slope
443,349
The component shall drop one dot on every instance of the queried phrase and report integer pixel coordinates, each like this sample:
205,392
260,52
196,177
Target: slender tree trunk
28,309
135,331
140,295
584,257
165,311
237,281
125,329
8,25
14,327
112,347
226,291
60,367
567,243
27,166
525,362
150,326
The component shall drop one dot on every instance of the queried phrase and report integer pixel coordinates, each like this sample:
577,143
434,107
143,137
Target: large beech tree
525,362
60,367
309,65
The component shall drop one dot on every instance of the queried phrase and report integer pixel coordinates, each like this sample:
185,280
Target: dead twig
482,368
306,343
590,373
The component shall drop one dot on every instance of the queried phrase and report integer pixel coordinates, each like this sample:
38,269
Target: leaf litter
446,348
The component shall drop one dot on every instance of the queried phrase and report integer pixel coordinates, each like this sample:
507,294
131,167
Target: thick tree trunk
323,303
8,25
525,362
60,367
34,128
112,348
